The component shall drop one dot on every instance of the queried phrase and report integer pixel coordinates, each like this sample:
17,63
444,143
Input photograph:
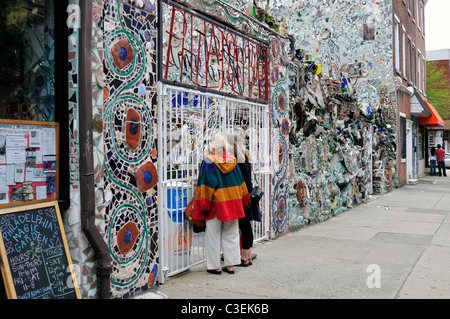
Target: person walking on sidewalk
220,198
433,161
440,157
251,213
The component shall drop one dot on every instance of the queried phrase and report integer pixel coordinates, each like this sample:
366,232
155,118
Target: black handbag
256,193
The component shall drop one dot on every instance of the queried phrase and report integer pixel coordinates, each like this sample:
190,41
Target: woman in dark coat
253,212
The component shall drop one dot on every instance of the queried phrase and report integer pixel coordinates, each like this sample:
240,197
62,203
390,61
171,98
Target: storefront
434,132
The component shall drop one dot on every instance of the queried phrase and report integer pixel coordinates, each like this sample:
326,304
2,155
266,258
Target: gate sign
34,253
198,52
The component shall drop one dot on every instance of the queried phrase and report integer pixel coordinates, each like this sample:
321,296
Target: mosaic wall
280,125
330,147
351,39
129,126
342,139
124,141
82,253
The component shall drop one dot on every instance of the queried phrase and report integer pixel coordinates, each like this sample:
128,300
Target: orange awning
435,120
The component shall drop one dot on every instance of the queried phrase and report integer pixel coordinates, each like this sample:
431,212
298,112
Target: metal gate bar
186,121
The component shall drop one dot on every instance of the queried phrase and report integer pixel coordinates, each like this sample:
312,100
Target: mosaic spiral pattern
280,129
130,144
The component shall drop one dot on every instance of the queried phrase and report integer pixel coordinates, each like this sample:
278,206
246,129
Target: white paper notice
38,157
48,141
29,174
15,156
19,173
35,138
41,192
15,149
2,174
16,141
10,174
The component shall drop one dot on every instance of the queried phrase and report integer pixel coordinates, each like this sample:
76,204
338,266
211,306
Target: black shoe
231,272
214,271
244,263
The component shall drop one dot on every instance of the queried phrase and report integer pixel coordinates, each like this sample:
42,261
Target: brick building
409,71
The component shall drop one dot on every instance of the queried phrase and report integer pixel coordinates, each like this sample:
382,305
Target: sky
437,25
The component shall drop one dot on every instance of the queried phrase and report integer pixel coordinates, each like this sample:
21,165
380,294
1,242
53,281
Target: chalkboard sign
35,255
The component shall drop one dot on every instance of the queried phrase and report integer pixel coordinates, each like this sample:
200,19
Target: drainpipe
87,186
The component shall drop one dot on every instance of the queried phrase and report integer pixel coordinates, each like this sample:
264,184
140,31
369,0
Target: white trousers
223,235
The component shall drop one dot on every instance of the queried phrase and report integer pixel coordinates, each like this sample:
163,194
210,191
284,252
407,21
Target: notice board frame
4,264
24,123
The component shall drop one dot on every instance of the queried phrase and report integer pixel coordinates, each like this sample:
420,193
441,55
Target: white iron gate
186,121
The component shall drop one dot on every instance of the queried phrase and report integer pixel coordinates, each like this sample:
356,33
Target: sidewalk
399,242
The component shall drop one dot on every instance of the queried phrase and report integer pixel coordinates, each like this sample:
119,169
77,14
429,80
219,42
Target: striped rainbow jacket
221,189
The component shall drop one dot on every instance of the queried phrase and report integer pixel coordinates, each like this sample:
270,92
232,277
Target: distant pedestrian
251,213
433,162
440,157
220,199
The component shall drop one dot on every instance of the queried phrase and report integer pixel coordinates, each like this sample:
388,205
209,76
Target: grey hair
219,144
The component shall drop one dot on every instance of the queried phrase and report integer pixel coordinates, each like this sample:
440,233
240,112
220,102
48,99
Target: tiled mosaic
129,122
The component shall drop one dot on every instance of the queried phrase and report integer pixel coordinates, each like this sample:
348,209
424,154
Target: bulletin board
29,162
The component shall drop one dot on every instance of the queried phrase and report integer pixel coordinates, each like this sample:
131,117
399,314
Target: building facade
409,71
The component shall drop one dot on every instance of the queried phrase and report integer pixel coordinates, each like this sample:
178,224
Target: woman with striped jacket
220,198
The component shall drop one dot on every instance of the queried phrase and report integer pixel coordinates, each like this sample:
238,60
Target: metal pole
87,182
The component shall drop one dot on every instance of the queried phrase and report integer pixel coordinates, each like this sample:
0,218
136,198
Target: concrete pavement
395,246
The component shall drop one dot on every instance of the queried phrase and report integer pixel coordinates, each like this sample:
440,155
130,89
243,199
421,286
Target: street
396,246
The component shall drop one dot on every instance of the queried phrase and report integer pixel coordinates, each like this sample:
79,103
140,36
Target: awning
435,120
418,106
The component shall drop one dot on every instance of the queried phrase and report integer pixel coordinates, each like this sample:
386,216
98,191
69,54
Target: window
412,65
404,51
419,70
423,19
422,25
409,60
424,76
397,44
418,14
27,60
403,136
